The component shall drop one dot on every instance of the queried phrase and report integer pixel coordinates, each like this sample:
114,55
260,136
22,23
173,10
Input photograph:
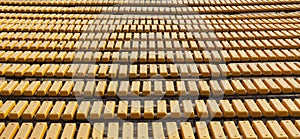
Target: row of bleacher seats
152,10
149,56
144,20
145,93
283,129
154,88
232,39
150,70
151,3
91,42
148,28
8,15
148,109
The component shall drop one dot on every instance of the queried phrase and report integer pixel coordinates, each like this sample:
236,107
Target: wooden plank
217,130
112,88
98,130
148,109
161,109
135,112
186,130
158,89
172,130
17,111
69,131
201,109
109,110
103,70
216,88
83,110
83,131
252,108
6,108
294,84
227,108
181,89
192,88
96,110
54,131
57,110
204,88
10,130
278,107
213,108
226,86
246,130
158,130
24,131
239,108
66,88
77,90
32,70
89,88
133,71
163,70
135,88
52,70
127,131
261,130
122,109
170,91
113,130
70,110
175,109
55,88
231,130
123,72
146,88
290,129
202,130
188,109
9,88
276,130
100,88
42,70
142,130
44,110
284,86
291,107
82,70
39,130
30,111
32,88
261,87
249,86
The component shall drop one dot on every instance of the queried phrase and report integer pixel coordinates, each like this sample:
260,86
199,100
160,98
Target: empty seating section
150,70
244,128
219,69
149,109
67,43
151,88
183,9
163,2
151,56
